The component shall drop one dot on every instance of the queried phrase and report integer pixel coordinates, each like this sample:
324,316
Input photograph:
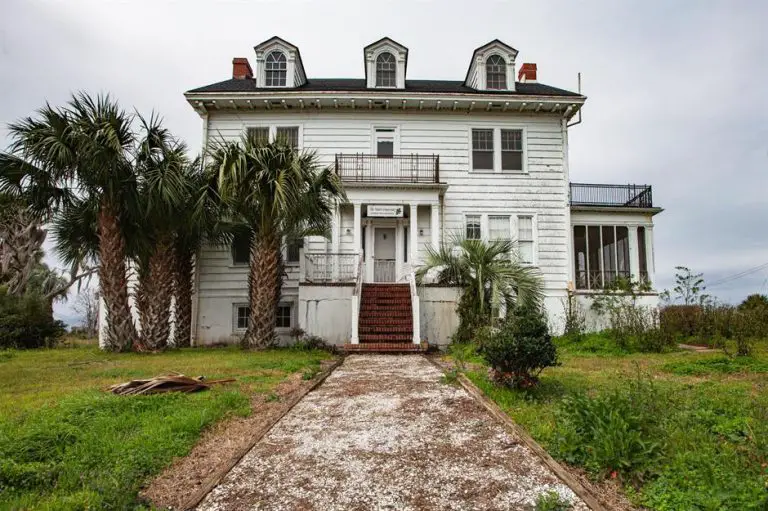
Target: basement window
284,315
242,315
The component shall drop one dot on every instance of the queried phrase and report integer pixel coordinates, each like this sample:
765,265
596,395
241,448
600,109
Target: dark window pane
289,136
292,251
641,250
609,255
482,160
241,249
511,160
259,136
473,227
511,140
482,140
495,73
580,256
243,314
386,70
284,316
385,149
622,251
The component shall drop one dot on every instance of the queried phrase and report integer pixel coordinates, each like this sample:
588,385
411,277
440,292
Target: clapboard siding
542,191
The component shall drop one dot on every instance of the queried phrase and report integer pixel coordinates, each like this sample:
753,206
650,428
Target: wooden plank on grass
215,478
580,490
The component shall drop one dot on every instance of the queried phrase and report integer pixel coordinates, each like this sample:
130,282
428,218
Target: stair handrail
356,301
359,280
415,309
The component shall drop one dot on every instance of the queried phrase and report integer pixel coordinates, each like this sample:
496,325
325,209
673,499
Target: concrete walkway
383,432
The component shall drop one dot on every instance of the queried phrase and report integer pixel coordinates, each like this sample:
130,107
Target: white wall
438,318
326,311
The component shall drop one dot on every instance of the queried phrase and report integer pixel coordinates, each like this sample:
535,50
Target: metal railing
330,267
626,196
399,168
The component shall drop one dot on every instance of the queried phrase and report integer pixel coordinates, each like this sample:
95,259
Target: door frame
384,223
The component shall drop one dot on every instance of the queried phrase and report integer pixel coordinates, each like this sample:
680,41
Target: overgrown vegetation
26,321
680,430
67,444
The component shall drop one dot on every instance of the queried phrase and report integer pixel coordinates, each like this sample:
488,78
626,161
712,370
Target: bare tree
87,306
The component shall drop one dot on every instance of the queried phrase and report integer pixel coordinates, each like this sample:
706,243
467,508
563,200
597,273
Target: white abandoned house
485,156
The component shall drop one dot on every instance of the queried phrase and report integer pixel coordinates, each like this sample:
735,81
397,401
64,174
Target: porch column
335,223
357,227
399,244
649,255
413,241
634,254
434,219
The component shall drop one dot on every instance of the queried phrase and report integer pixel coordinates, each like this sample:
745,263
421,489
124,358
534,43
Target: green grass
65,443
710,415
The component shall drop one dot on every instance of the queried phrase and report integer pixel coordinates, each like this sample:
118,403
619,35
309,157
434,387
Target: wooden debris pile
167,383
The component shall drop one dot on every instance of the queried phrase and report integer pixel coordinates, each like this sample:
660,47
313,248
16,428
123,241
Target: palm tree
489,274
85,151
275,191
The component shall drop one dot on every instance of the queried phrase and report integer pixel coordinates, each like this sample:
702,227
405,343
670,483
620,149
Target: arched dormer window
495,73
276,68
386,70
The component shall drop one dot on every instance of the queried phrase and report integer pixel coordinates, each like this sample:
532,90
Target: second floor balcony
398,168
616,196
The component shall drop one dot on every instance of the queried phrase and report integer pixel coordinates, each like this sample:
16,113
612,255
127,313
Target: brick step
386,301
386,297
386,314
384,322
385,338
394,329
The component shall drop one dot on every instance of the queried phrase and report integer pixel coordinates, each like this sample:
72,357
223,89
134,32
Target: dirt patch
218,445
383,432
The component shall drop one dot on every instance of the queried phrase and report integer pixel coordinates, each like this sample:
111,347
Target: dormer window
276,68
496,73
386,70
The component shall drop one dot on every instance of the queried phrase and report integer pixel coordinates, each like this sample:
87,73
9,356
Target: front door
384,251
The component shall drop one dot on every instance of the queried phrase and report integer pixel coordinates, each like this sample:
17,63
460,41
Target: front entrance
384,255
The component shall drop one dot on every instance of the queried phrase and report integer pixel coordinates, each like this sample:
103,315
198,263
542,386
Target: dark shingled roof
359,85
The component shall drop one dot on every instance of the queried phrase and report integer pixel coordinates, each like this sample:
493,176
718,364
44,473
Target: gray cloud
676,89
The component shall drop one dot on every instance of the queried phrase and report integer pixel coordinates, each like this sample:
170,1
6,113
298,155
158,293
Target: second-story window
482,149
276,68
511,149
287,135
259,136
241,249
473,227
386,70
495,73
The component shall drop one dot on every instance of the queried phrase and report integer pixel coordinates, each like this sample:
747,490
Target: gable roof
392,42
495,42
359,85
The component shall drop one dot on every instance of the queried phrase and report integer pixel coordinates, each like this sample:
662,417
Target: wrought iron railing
399,168
627,196
330,267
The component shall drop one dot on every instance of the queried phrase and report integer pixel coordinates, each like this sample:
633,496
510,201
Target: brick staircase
385,314
385,324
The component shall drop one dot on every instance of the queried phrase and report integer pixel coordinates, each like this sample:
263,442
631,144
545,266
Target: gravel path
383,432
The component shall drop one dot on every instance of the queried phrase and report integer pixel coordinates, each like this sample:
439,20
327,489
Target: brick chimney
241,69
527,73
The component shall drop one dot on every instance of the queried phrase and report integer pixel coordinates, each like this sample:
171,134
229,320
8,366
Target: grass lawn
703,442
67,444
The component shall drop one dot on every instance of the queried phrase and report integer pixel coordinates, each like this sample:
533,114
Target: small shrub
450,377
608,434
461,354
520,349
552,501
312,342
575,318
26,322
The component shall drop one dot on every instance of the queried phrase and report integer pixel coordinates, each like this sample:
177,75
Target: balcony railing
399,168
624,196
330,267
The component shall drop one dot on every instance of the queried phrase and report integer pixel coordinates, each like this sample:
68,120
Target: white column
357,228
434,219
399,243
413,240
369,241
649,255
333,260
634,254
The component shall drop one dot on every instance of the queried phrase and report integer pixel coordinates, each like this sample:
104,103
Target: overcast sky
677,90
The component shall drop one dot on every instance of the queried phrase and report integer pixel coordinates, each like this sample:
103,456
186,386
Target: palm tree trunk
160,287
183,291
262,282
120,330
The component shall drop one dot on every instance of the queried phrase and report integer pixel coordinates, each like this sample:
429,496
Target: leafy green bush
520,349
311,342
26,322
610,433
552,501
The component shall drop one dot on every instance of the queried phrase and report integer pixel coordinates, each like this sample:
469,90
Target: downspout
579,91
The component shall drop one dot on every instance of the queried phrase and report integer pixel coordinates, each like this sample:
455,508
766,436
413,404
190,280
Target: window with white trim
499,227
511,149
284,315
242,314
386,70
262,135
472,223
259,136
495,73
276,68
288,135
482,149
525,241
